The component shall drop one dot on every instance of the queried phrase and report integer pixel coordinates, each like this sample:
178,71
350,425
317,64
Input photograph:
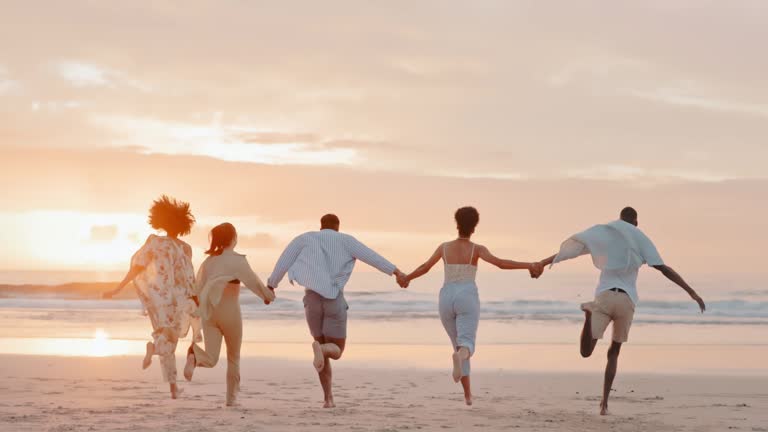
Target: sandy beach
46,393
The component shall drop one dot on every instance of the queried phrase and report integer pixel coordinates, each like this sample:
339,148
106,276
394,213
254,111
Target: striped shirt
322,261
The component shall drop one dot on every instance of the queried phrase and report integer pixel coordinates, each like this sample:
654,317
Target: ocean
518,317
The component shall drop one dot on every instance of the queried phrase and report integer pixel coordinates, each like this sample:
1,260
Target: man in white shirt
618,249
322,262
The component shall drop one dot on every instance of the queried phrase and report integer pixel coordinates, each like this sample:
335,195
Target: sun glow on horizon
66,239
101,346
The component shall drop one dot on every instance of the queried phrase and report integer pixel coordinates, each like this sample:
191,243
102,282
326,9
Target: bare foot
148,356
176,391
189,368
329,404
604,409
457,363
319,361
468,400
587,308
233,403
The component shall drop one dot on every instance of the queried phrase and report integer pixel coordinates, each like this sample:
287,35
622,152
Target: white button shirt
618,249
322,261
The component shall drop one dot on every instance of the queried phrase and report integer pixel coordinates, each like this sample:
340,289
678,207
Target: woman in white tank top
459,300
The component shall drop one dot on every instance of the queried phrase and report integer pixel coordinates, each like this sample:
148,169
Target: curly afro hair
171,216
467,219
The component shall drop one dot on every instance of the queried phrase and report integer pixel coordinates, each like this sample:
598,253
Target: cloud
276,137
7,85
103,233
54,105
229,143
83,74
678,97
628,173
598,69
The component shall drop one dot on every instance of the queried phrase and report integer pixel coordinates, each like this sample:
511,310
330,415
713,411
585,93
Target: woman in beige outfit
218,290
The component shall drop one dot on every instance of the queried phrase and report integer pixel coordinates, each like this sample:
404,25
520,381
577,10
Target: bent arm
675,277
427,266
503,264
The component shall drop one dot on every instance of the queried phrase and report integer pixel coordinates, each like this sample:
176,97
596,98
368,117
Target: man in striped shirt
322,262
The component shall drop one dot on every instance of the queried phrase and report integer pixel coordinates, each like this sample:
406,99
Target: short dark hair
329,221
172,216
628,214
467,219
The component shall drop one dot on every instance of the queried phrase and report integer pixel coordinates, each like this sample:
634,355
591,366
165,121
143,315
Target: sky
547,116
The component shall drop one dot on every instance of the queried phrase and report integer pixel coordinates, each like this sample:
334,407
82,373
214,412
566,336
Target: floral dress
165,288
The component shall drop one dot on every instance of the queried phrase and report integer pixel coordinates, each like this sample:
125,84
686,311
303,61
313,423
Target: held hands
269,299
536,269
402,279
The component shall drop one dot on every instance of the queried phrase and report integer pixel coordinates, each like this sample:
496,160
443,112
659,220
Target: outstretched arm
252,281
675,277
134,271
503,264
367,255
548,261
427,266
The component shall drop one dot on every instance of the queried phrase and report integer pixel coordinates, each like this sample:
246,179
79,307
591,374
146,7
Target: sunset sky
548,118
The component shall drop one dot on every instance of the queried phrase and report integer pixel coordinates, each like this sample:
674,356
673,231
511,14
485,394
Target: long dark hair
222,236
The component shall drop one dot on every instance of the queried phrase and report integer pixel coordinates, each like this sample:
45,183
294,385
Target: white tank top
456,273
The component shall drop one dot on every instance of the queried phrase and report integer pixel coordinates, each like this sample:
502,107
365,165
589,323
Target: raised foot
457,360
329,404
319,361
189,368
587,307
147,362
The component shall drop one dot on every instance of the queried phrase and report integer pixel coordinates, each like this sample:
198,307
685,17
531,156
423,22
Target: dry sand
113,394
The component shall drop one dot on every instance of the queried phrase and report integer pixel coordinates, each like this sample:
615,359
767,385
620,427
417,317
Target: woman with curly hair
459,304
164,278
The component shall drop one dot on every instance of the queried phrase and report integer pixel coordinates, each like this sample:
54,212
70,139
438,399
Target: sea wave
400,305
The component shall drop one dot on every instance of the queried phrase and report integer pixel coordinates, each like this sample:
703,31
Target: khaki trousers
227,323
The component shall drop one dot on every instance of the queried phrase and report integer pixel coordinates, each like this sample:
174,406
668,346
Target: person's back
459,304
618,249
322,262
218,290
460,262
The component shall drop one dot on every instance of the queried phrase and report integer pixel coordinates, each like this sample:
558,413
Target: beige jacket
217,271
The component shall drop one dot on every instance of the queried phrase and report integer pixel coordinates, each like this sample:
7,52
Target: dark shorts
326,317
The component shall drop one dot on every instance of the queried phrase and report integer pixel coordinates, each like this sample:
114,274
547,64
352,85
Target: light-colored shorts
326,317
612,306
